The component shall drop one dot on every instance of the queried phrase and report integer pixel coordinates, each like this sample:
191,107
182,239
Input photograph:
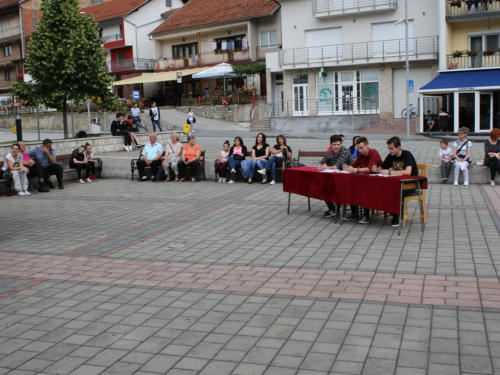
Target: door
485,111
300,107
476,44
348,91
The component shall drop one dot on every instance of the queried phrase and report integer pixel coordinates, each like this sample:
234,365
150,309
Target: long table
372,191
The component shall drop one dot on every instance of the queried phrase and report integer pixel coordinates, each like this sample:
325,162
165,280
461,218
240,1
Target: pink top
237,150
26,157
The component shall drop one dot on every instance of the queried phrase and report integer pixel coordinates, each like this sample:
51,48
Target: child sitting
221,166
445,156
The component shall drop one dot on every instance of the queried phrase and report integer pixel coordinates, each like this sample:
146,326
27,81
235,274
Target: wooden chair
423,171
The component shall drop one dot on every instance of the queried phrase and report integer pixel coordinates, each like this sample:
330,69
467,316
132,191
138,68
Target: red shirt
368,161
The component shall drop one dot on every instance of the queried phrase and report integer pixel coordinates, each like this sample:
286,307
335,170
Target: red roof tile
7,3
206,12
113,9
169,12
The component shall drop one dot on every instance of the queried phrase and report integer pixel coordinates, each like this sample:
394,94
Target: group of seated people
126,128
434,123
39,162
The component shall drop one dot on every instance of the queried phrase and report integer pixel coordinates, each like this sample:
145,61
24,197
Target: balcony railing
470,62
7,60
390,50
261,51
10,33
468,9
112,38
4,84
130,64
204,58
328,8
325,107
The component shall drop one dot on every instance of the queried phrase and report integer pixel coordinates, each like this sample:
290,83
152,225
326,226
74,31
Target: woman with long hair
280,153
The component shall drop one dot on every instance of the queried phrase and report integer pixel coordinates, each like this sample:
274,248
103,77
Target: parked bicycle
139,125
413,111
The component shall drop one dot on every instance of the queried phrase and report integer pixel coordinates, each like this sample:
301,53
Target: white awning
159,77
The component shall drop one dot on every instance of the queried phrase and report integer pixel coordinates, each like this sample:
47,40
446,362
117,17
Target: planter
456,55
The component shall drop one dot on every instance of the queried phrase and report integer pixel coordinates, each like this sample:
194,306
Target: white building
341,66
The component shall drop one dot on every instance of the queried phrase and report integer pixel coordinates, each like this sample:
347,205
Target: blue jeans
157,123
192,124
255,164
445,169
272,163
233,164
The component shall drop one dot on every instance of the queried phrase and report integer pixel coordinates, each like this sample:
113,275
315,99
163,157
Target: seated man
399,162
35,169
119,127
46,157
151,156
429,122
366,160
335,159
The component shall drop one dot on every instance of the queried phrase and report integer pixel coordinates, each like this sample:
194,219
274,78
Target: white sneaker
230,182
81,181
223,179
26,192
455,183
130,148
88,180
466,183
272,182
125,148
492,183
261,171
21,193
233,170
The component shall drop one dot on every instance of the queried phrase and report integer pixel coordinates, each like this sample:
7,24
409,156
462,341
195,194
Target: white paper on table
328,170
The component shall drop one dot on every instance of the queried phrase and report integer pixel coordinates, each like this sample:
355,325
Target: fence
319,107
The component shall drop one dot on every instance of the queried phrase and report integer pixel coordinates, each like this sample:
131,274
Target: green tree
65,60
242,70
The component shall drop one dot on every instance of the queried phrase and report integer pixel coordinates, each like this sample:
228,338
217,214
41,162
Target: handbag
454,159
173,157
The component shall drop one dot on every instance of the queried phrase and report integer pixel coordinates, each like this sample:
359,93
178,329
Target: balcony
130,64
261,51
204,58
10,34
424,48
457,11
331,8
113,41
6,84
8,60
473,62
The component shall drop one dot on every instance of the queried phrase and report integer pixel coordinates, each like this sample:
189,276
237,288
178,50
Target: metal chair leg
288,210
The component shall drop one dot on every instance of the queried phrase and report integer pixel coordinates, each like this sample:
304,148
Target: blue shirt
40,156
151,152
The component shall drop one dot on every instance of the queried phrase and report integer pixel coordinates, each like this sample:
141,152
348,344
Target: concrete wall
322,124
54,121
234,112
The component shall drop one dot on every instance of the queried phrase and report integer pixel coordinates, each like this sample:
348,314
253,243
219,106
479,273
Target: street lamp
408,111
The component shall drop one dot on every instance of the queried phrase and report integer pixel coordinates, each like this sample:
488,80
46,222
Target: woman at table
280,153
492,154
260,154
237,153
190,157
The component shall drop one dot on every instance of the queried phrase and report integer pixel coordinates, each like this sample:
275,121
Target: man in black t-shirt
399,162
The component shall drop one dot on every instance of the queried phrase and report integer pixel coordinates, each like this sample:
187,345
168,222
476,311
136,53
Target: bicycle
138,125
413,111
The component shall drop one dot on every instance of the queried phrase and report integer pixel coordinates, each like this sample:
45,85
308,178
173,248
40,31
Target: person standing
46,156
191,119
151,156
154,114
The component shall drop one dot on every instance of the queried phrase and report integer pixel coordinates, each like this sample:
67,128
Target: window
323,43
184,50
389,36
92,2
5,28
268,38
9,75
168,3
7,50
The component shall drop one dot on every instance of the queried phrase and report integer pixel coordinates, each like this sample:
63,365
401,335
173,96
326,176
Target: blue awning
469,80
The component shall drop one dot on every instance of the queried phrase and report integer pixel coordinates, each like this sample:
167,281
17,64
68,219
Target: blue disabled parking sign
411,86
136,95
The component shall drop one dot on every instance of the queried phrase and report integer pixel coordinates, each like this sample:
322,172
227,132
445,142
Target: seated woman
89,153
461,153
173,151
237,154
14,164
279,155
79,161
492,154
190,157
260,154
353,149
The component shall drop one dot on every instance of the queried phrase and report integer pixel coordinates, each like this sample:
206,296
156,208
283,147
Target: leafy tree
242,70
65,60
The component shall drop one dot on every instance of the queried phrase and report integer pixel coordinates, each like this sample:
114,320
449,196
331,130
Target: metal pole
90,120
19,129
72,122
408,112
38,121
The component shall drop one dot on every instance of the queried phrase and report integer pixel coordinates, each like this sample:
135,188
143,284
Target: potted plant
490,51
470,52
457,53
456,3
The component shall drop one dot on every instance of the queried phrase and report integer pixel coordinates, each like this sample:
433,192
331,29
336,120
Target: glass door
485,111
300,107
348,91
476,44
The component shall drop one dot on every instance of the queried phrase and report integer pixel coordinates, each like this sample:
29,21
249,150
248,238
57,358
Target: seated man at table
151,156
364,163
335,159
399,162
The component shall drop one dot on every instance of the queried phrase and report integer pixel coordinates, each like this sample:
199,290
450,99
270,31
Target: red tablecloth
369,191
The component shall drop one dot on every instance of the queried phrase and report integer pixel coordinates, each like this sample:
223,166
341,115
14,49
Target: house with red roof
204,33
125,26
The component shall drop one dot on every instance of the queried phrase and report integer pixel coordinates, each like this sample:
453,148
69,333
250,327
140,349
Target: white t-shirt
191,115
446,154
135,112
224,155
15,162
463,151
155,113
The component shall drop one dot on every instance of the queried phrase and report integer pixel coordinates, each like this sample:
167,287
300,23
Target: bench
133,163
308,154
248,155
8,182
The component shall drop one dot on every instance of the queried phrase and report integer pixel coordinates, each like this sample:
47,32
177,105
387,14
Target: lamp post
408,112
